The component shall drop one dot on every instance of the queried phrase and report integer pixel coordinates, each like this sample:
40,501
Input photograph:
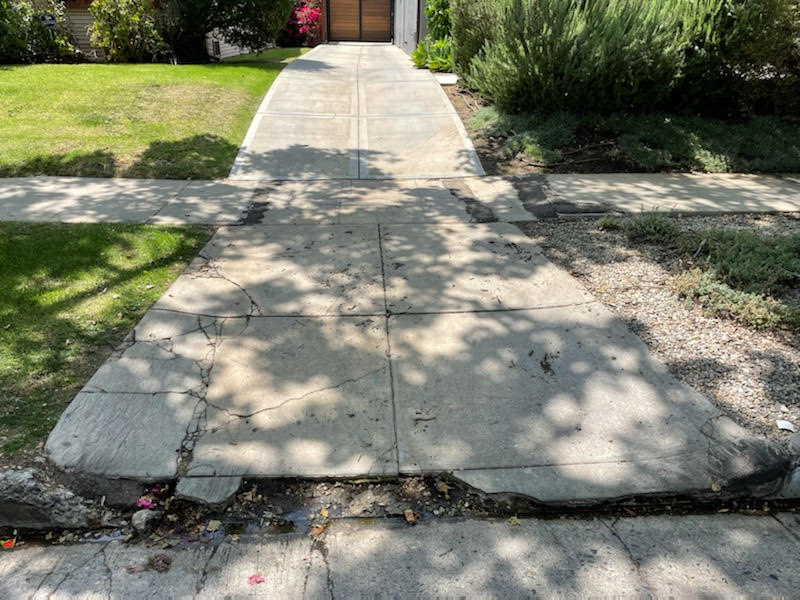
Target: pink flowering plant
303,28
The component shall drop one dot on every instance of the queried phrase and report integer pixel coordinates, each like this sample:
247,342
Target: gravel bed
754,376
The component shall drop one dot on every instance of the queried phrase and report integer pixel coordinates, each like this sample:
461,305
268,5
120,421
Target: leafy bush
652,228
126,30
437,13
253,24
435,55
472,24
615,55
744,56
569,54
13,47
23,38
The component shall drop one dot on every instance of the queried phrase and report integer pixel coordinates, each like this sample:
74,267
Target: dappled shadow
750,374
203,156
368,349
53,335
99,163
671,556
677,193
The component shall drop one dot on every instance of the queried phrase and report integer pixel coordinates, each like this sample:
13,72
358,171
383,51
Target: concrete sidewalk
355,111
465,200
716,556
378,350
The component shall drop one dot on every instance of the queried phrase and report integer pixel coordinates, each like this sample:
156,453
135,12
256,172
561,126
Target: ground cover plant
647,142
748,276
144,120
68,294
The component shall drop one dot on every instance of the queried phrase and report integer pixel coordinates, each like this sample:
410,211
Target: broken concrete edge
743,469
30,500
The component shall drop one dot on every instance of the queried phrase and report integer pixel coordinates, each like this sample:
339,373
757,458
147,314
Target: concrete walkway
469,199
395,335
714,556
355,111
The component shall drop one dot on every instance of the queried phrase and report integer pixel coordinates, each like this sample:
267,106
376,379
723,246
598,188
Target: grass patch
68,294
643,143
123,120
744,275
275,55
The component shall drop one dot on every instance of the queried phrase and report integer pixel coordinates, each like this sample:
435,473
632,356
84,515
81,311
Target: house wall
226,50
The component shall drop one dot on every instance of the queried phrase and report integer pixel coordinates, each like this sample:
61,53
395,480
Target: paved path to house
355,111
360,328
708,556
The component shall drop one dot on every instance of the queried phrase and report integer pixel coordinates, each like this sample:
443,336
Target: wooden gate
360,20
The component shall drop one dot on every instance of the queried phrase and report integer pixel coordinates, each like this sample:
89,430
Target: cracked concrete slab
451,267
562,404
302,270
300,397
122,436
704,556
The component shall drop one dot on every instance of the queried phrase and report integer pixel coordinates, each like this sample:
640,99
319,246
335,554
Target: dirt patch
754,376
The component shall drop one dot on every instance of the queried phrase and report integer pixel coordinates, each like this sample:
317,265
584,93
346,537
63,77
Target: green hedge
622,55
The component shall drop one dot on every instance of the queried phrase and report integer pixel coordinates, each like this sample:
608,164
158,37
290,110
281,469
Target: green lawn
566,142
143,120
68,294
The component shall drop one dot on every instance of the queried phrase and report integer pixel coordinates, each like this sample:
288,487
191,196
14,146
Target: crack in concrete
211,269
319,545
204,573
636,564
197,426
293,399
69,573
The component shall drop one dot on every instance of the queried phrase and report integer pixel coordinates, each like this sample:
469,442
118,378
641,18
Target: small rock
144,520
